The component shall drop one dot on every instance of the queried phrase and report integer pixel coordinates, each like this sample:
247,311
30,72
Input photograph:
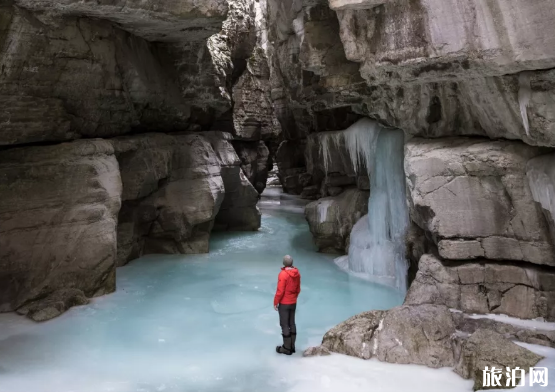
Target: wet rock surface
485,348
473,197
332,218
58,219
428,335
484,287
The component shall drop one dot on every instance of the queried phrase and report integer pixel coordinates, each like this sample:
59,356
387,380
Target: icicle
360,141
323,208
524,96
377,247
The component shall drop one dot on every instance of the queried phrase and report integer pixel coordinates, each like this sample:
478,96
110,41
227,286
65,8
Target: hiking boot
293,339
286,348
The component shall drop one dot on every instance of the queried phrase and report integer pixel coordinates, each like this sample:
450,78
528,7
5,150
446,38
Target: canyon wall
118,134
138,127
471,85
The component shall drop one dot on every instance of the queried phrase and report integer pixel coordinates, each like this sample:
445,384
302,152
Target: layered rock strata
144,77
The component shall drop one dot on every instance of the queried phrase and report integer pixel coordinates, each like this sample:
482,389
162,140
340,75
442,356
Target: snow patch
529,324
524,96
323,208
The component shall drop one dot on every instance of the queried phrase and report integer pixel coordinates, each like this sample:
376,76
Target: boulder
524,291
418,335
332,218
318,351
407,334
485,348
354,336
472,197
58,220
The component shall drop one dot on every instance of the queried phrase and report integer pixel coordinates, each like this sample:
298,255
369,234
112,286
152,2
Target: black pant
287,319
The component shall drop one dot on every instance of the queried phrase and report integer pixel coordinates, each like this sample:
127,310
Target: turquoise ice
189,323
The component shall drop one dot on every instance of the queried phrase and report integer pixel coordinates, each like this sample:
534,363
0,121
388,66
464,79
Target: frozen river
206,323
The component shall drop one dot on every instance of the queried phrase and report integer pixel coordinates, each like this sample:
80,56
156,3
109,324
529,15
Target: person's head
287,261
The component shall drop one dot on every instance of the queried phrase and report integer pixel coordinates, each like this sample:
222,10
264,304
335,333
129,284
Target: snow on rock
529,324
332,218
541,178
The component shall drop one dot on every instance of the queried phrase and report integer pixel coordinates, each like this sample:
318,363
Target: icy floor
206,323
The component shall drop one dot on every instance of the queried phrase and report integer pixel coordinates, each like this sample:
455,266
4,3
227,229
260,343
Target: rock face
238,210
486,349
417,334
470,324
58,219
255,162
425,335
473,197
354,336
485,287
541,178
173,190
332,218
408,334
82,70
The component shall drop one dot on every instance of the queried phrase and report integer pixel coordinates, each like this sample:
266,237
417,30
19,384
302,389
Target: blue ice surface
184,323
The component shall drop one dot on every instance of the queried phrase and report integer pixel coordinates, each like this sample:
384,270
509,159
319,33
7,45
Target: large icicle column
377,247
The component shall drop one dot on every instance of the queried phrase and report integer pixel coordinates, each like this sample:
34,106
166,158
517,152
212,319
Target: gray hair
287,261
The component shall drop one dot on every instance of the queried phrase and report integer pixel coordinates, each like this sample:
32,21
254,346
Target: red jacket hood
291,271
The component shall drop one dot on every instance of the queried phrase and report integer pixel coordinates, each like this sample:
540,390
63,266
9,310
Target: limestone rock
254,116
468,324
331,219
83,78
291,164
171,207
482,287
488,348
472,196
316,352
58,219
255,162
238,210
168,21
54,305
355,4
354,336
446,24
417,335
541,178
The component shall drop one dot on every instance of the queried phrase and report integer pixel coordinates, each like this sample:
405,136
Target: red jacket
288,287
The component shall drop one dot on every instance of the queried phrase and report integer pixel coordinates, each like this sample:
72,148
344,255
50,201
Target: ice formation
524,96
202,323
323,208
541,177
377,247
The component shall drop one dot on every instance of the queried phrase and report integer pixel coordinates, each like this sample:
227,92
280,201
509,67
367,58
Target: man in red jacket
285,302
